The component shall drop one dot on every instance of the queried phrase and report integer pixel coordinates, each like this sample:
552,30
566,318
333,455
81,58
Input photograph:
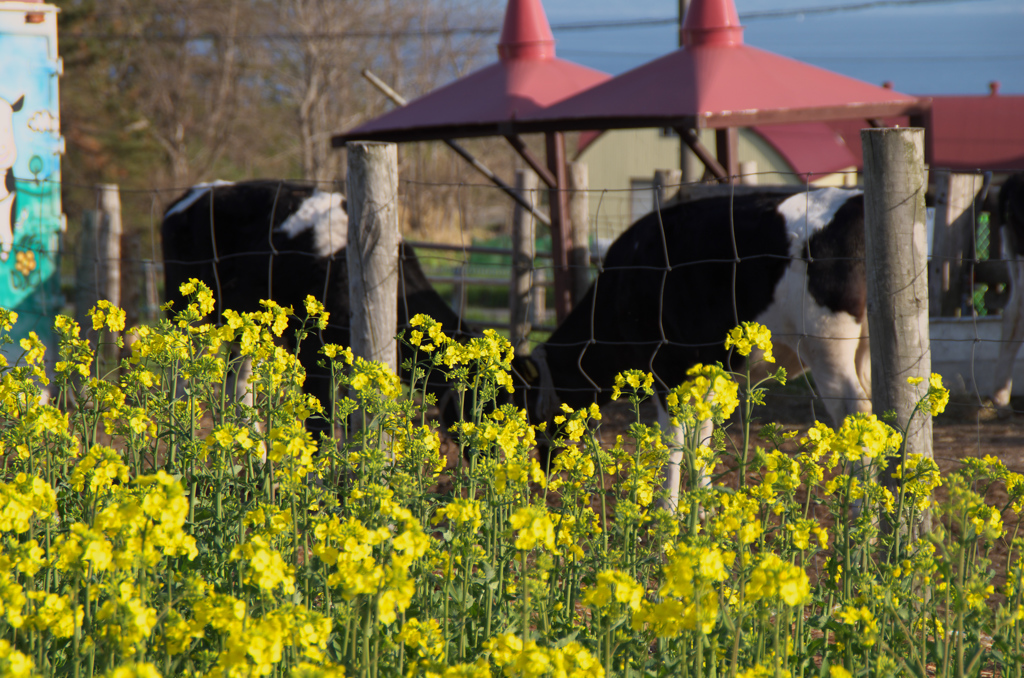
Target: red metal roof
809,147
526,78
716,81
969,133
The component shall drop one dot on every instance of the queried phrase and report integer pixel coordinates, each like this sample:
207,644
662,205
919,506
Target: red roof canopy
968,133
810,147
716,81
526,78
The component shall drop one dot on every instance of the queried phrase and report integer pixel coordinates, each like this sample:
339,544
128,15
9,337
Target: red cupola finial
711,22
526,33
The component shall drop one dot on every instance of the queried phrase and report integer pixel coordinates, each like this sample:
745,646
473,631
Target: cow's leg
676,441
834,347
673,469
1011,338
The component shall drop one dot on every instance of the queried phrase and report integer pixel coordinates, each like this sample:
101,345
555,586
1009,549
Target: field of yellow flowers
153,526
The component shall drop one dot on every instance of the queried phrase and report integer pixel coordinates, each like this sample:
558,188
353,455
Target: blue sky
942,47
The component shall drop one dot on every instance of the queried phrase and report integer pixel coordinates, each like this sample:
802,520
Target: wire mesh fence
467,259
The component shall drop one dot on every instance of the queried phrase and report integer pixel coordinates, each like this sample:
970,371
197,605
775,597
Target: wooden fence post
953,239
151,296
459,291
372,251
109,241
523,253
896,257
98,274
539,296
579,229
87,270
748,173
132,288
663,179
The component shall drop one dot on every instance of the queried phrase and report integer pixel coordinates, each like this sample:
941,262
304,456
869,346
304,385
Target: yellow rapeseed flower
614,586
750,335
535,528
773,577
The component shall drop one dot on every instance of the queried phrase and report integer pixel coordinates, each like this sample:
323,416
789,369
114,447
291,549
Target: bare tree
236,88
180,67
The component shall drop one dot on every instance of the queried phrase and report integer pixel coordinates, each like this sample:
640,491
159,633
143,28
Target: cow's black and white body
1011,213
8,191
280,240
674,284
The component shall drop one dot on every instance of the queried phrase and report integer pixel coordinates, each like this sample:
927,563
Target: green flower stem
367,619
608,647
526,598
748,413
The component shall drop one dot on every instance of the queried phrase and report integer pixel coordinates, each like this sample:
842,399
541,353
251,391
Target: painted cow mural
8,193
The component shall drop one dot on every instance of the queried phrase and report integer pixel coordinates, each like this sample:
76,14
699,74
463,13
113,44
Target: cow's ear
344,205
16,106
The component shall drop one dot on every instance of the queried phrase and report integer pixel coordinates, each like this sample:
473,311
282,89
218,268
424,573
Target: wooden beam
463,153
535,164
689,136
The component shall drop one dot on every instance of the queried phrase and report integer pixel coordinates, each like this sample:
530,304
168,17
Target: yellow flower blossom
750,335
534,528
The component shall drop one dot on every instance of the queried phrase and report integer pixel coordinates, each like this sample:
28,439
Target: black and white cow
8,192
675,283
282,240
1011,213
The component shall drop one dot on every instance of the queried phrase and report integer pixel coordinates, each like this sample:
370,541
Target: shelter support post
559,209
727,146
896,257
957,202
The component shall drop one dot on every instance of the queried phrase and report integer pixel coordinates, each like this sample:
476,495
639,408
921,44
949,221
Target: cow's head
8,151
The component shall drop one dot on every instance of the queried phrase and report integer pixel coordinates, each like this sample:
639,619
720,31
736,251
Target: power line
491,30
814,57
